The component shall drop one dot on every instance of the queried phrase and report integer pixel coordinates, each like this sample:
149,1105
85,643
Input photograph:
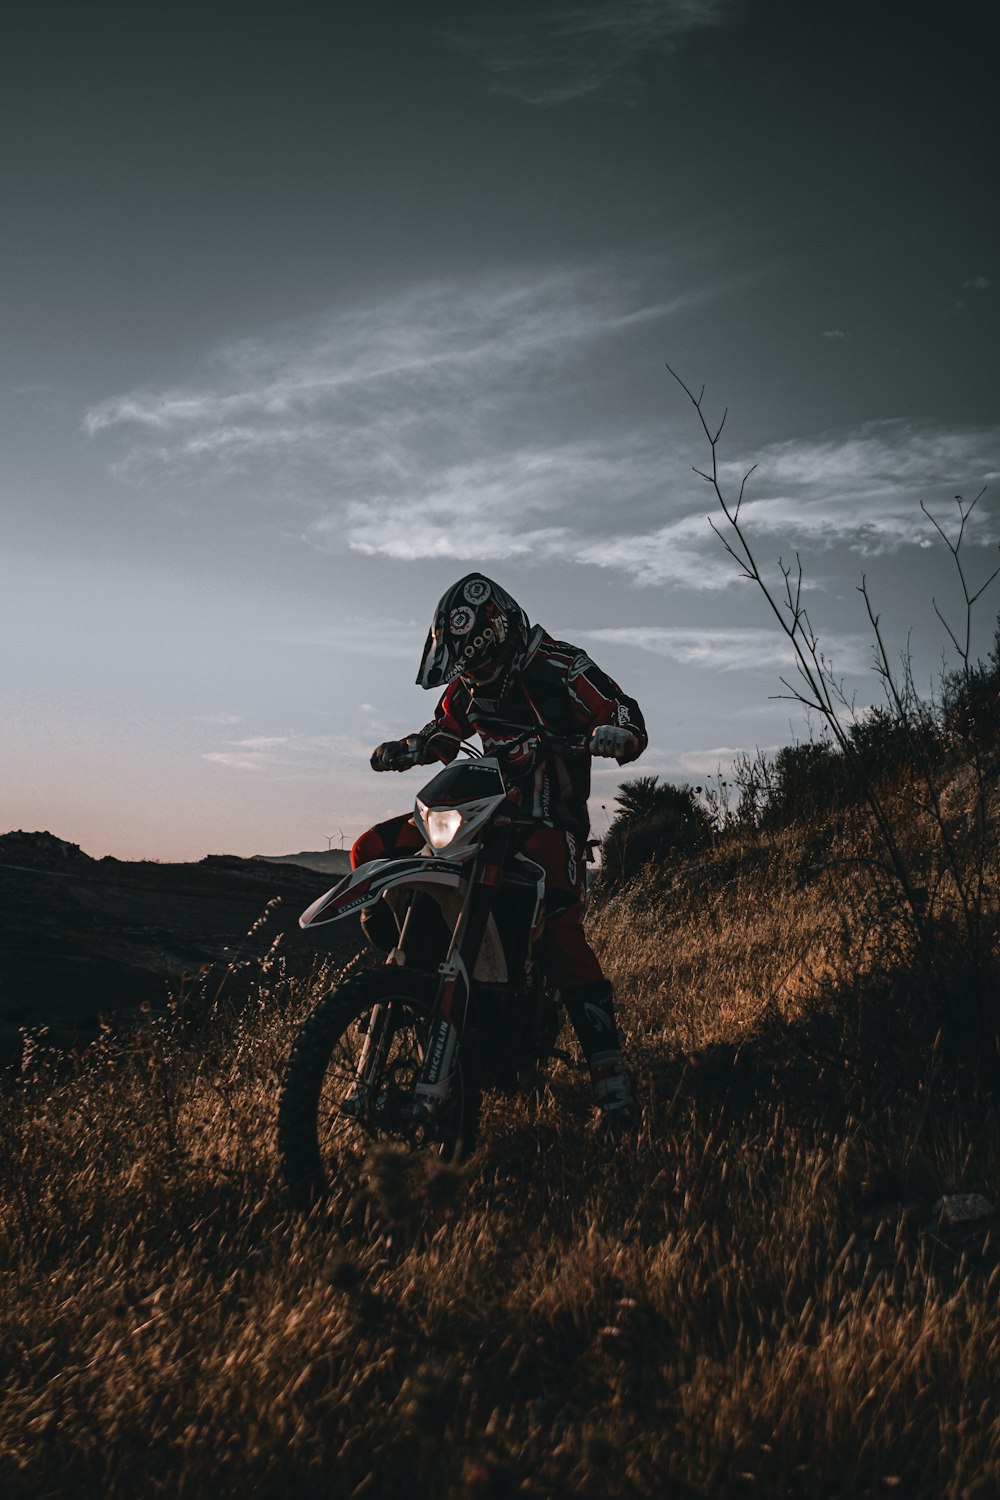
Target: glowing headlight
442,825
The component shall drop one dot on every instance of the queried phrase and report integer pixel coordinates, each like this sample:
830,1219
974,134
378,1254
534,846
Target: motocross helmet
479,634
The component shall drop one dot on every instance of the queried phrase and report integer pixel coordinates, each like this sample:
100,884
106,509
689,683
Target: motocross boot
590,1008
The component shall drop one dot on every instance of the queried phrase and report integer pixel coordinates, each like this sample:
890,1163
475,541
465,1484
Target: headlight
443,824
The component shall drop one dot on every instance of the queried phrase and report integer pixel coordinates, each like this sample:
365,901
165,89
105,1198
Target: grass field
755,1297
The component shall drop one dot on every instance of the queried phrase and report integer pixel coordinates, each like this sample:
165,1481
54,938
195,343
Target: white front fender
366,885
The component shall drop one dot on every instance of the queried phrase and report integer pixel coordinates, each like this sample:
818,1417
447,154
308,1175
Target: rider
501,678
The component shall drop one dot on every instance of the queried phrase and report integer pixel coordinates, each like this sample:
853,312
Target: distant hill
83,937
325,861
40,850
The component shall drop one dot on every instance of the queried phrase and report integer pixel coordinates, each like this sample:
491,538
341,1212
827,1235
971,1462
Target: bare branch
985,586
743,485
947,627
938,528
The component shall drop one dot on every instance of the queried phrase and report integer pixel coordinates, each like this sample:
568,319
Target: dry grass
754,1298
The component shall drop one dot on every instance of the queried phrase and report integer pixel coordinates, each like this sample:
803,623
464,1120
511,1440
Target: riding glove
608,739
393,755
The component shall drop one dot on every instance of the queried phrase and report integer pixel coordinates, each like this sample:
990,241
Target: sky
307,311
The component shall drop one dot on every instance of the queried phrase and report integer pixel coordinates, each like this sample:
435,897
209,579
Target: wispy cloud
878,456
234,761
359,635
264,742
537,501
291,756
432,340
858,491
728,650
478,421
396,405
492,421
978,283
552,53
862,489
834,333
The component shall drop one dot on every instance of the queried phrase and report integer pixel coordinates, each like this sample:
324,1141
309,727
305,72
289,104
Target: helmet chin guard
479,633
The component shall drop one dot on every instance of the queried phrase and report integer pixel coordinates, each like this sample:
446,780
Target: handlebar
559,744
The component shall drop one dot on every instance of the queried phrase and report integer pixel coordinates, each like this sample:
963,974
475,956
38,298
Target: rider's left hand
609,740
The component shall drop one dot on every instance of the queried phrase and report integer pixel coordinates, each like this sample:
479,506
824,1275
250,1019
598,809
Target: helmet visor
438,658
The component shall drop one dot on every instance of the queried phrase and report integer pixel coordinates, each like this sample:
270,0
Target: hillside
326,861
786,1285
81,937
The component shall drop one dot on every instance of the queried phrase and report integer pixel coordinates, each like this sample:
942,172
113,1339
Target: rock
962,1208
42,850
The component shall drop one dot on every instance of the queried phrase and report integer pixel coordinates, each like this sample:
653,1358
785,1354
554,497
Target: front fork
451,1005
371,1062
434,1083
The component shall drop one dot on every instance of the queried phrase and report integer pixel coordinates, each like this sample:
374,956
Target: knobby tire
310,1136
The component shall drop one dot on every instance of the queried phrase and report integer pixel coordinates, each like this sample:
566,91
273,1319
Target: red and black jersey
557,687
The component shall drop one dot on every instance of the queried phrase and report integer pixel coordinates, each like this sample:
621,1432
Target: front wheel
332,1108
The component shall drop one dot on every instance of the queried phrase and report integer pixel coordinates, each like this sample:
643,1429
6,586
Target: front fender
365,885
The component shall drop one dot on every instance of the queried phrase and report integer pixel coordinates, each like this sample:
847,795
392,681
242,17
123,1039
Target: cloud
862,489
263,742
876,454
545,502
978,283
495,420
683,553
728,650
834,333
481,420
357,634
858,490
233,761
552,53
426,342
402,401
292,756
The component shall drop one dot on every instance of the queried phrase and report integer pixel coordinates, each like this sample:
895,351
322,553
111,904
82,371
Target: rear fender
367,884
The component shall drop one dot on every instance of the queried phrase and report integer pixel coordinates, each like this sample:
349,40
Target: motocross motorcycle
403,1051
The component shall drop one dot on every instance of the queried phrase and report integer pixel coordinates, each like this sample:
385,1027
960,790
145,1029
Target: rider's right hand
393,755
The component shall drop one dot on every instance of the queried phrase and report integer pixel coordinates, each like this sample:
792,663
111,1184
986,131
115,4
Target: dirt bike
402,1052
